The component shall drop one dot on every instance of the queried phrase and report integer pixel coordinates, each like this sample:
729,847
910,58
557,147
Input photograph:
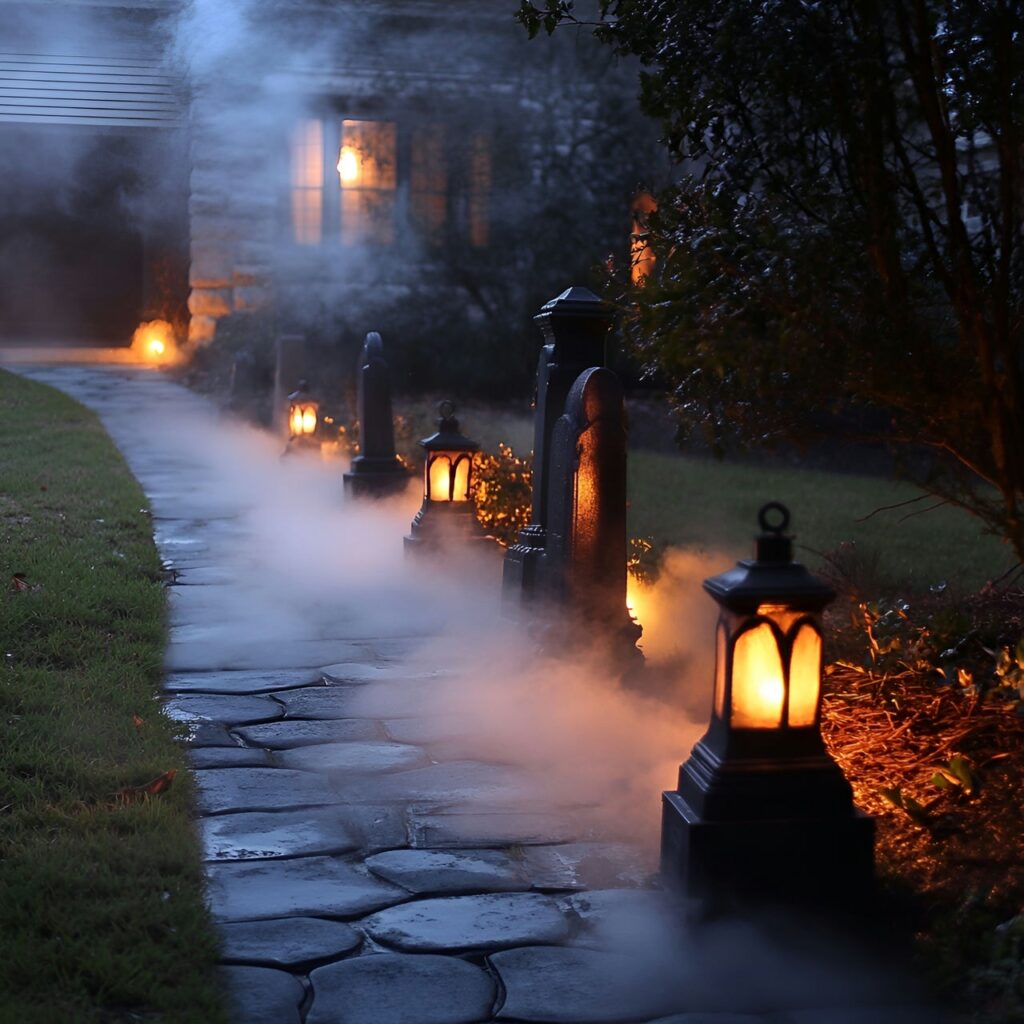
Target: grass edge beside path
102,916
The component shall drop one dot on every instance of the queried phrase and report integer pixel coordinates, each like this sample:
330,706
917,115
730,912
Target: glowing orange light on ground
153,342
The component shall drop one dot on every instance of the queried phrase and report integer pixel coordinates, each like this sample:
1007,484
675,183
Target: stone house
193,160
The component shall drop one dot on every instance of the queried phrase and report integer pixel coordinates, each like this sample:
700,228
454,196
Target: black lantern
448,512
303,417
761,807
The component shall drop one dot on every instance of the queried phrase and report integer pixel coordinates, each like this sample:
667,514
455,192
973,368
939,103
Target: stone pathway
366,864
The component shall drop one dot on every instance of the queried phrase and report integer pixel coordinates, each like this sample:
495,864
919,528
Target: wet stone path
356,874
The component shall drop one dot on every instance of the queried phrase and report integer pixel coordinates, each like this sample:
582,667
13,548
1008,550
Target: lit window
428,181
480,192
307,182
367,174
641,254
345,186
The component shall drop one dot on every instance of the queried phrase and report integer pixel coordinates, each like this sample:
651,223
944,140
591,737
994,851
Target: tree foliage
845,236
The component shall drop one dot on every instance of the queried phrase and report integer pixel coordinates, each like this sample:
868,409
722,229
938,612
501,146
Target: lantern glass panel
308,419
758,685
296,420
440,478
460,492
720,642
804,676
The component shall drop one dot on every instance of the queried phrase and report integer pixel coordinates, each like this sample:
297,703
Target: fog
573,746
303,565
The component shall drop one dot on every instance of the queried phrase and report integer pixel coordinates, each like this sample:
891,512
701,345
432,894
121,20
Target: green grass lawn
709,505
701,503
101,909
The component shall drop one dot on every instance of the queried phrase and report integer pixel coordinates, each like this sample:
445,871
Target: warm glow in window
758,686
641,254
479,198
804,676
307,180
428,180
367,175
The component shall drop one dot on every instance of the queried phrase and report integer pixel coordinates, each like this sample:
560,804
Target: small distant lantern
761,807
448,512
303,417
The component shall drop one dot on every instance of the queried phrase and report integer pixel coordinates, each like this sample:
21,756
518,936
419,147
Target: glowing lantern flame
302,420
758,688
153,343
348,165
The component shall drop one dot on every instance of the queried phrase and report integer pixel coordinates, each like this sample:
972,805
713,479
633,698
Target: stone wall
233,217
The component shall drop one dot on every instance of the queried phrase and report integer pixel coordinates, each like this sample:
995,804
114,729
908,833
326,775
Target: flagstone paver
261,995
222,710
305,886
459,923
400,989
229,757
288,942
221,790
237,682
310,731
557,985
254,835
450,872
462,826
354,758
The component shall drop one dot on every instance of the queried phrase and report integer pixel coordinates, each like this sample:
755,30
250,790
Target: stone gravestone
242,384
289,370
376,471
584,564
574,326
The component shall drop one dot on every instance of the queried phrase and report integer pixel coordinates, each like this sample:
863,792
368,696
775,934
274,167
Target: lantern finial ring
769,510
446,409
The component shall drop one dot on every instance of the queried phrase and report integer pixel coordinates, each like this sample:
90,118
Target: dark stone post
376,471
289,370
574,326
585,560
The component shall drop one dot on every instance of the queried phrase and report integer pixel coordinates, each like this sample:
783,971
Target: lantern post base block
447,528
823,862
523,567
382,482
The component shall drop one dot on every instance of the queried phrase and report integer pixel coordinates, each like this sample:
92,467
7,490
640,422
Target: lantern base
449,525
302,443
521,572
826,861
375,478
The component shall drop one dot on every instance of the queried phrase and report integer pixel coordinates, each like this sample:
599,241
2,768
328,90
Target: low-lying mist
303,564
308,565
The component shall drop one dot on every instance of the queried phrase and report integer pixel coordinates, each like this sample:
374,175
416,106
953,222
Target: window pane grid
428,180
307,179
368,177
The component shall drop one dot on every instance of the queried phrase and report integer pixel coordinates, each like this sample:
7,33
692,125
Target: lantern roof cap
576,302
448,437
772,577
301,392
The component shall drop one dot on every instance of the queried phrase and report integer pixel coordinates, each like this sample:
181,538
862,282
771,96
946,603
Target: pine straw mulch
957,860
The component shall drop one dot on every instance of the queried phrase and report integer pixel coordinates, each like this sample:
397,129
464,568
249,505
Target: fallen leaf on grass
133,794
19,583
138,722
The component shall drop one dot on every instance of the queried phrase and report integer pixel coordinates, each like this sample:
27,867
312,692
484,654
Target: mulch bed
957,859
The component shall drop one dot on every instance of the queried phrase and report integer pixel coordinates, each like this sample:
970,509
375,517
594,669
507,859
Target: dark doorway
71,235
